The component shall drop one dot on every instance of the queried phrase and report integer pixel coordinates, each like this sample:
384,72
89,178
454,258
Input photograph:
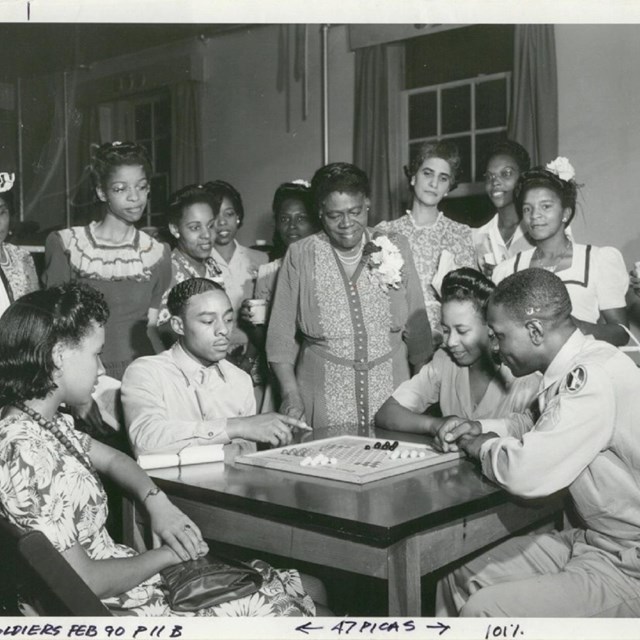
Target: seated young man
584,437
190,395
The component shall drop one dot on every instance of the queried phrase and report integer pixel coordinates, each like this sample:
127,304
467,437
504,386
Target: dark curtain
534,110
185,139
379,73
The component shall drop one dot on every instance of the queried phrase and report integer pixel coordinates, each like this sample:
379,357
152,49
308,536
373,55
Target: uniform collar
192,370
560,363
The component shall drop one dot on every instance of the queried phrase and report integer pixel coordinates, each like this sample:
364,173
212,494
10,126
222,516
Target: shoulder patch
576,379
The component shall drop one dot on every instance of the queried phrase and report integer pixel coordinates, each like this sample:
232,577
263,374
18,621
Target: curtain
377,144
533,120
186,165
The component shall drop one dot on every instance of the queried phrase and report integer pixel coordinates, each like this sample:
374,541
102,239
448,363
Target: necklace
351,260
557,260
55,430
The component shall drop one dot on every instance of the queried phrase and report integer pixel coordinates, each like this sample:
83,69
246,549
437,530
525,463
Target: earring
564,219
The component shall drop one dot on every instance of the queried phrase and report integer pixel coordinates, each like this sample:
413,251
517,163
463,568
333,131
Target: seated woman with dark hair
463,375
50,345
596,277
353,296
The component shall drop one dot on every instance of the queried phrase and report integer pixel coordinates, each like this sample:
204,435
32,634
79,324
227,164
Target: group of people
492,340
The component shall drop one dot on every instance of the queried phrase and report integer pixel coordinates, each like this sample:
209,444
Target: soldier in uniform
583,435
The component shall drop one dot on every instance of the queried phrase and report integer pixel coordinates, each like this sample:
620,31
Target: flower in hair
6,181
303,183
562,168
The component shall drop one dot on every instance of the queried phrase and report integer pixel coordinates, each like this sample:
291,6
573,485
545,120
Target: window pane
163,155
159,193
456,109
464,146
491,104
143,121
162,118
423,115
484,142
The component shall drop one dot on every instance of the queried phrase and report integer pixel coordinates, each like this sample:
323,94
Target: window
152,118
473,113
457,87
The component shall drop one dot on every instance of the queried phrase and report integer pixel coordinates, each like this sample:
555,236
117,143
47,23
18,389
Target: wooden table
397,529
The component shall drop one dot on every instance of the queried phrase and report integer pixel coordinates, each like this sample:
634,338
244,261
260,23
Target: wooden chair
28,561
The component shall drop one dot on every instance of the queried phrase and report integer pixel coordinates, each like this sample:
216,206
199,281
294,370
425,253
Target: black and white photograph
321,313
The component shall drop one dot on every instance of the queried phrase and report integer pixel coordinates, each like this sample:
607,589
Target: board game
349,458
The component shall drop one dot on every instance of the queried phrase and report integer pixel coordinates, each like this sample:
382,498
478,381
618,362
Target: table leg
403,571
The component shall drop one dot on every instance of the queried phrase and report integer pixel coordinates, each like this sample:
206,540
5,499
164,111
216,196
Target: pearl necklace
55,430
558,260
351,260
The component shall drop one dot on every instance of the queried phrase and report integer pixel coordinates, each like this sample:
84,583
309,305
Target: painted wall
248,139
599,129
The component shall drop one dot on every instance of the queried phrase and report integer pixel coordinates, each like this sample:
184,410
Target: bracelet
154,491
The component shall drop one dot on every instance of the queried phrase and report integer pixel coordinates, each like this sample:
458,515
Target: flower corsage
384,262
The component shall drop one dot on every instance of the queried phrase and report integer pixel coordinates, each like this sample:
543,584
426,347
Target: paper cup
258,311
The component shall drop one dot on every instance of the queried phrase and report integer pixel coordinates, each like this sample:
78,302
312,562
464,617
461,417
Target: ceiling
34,49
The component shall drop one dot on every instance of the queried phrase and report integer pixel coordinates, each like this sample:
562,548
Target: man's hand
471,445
454,428
274,428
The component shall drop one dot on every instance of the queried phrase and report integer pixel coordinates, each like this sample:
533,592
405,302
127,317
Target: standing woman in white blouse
596,277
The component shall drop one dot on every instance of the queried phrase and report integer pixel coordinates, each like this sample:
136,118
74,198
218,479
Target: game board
349,458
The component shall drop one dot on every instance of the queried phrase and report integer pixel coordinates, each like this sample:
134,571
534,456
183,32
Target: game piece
354,459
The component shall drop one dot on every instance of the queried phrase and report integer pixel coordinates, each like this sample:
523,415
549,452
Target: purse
208,581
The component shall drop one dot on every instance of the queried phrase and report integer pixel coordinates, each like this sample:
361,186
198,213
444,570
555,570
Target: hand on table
471,445
175,529
453,428
274,428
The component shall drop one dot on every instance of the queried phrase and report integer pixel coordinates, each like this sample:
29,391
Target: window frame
464,188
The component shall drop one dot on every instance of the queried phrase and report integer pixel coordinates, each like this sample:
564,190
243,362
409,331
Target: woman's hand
293,406
245,313
174,528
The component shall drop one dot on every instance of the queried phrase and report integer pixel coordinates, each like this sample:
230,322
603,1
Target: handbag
208,581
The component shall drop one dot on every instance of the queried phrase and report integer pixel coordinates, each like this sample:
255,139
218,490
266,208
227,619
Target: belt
357,365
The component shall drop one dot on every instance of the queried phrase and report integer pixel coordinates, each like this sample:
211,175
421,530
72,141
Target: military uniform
587,439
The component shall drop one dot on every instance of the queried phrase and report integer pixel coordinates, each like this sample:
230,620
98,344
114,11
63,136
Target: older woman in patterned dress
353,297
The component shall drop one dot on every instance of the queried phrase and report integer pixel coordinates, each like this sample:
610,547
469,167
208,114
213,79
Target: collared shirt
596,280
586,439
491,249
171,401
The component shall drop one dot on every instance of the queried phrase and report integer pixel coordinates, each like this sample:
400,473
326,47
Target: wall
245,135
599,129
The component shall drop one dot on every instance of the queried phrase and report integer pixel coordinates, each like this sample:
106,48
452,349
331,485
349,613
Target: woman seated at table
437,242
463,376
50,345
190,221
354,297
596,277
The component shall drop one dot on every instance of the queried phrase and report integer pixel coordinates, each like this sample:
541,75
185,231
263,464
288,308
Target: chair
29,562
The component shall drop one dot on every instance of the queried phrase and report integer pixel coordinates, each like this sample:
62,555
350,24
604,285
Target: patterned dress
427,245
18,274
44,487
182,268
357,339
132,276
